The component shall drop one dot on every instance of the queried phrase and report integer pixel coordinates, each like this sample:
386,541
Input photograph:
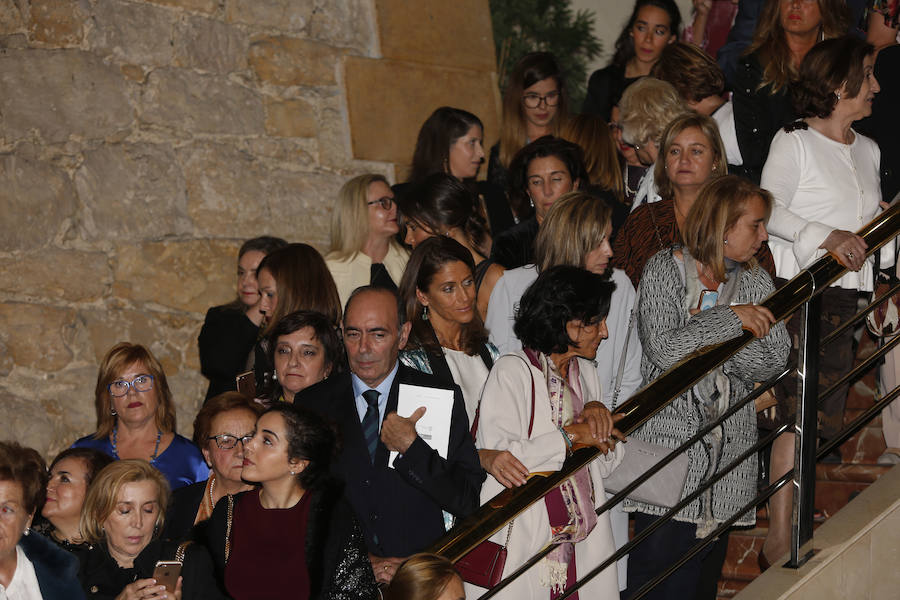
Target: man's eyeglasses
386,202
534,100
141,383
226,441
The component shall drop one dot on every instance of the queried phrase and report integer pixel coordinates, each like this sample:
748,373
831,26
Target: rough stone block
140,34
36,201
181,100
285,15
290,118
347,23
455,34
203,6
234,194
11,18
68,275
385,119
132,191
282,60
188,275
59,94
28,422
210,45
58,22
37,336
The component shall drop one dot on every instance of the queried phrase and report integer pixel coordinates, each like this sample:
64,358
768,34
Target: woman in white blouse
824,177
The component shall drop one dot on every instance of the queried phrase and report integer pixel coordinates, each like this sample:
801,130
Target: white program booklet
434,426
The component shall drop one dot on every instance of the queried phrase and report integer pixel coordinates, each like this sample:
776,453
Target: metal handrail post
806,431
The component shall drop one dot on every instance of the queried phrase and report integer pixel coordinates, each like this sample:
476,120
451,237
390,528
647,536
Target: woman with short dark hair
295,532
693,296
229,331
539,174
533,406
71,474
305,348
31,566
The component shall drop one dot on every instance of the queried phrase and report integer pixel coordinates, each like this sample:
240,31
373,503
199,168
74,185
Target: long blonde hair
531,68
718,207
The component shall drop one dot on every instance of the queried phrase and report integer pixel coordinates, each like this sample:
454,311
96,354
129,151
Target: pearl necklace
115,438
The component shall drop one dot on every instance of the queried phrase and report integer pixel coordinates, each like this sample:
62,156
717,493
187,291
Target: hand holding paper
398,433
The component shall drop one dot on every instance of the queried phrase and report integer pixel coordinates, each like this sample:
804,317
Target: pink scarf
570,507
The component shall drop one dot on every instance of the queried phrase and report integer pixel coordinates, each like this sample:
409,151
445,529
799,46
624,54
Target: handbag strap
179,553
228,520
474,428
620,373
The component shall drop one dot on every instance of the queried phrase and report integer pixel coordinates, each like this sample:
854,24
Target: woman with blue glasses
136,416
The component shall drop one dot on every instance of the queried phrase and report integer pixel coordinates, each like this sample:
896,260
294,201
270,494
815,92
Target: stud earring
726,242
425,313
838,95
112,411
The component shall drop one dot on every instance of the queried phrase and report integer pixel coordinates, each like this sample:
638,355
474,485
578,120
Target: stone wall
142,140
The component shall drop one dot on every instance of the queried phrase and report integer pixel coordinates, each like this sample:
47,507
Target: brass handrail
505,506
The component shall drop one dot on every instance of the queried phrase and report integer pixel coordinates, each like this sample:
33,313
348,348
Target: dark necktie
370,422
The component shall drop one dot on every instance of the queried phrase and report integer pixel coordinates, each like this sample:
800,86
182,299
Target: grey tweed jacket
667,335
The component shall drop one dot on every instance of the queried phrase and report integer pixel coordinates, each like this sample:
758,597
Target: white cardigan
354,272
503,425
821,185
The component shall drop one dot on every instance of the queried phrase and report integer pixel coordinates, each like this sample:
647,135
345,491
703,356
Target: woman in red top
255,537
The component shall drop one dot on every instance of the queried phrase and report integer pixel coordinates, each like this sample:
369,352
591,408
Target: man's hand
398,433
384,567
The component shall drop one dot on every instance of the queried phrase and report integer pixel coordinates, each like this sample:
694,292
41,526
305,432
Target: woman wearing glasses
363,248
535,104
222,427
136,416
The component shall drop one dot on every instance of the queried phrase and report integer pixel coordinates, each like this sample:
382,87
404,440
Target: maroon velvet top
268,551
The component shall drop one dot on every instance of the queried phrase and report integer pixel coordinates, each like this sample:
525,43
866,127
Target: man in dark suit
400,509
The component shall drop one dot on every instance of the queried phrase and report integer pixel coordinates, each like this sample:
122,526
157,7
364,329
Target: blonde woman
363,249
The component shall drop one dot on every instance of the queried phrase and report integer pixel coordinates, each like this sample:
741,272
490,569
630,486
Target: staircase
836,483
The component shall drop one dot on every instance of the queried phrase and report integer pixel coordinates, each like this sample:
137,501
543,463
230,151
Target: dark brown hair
94,460
26,467
828,66
425,261
303,283
691,71
438,133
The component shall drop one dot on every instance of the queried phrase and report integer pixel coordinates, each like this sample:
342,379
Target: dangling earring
530,200
112,411
425,313
838,95
275,375
27,531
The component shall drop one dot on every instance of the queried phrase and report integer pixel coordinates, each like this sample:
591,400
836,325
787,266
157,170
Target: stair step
729,588
855,473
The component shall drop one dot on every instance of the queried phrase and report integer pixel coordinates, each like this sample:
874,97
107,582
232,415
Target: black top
604,90
183,510
758,115
400,508
103,579
883,125
515,247
55,569
225,342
